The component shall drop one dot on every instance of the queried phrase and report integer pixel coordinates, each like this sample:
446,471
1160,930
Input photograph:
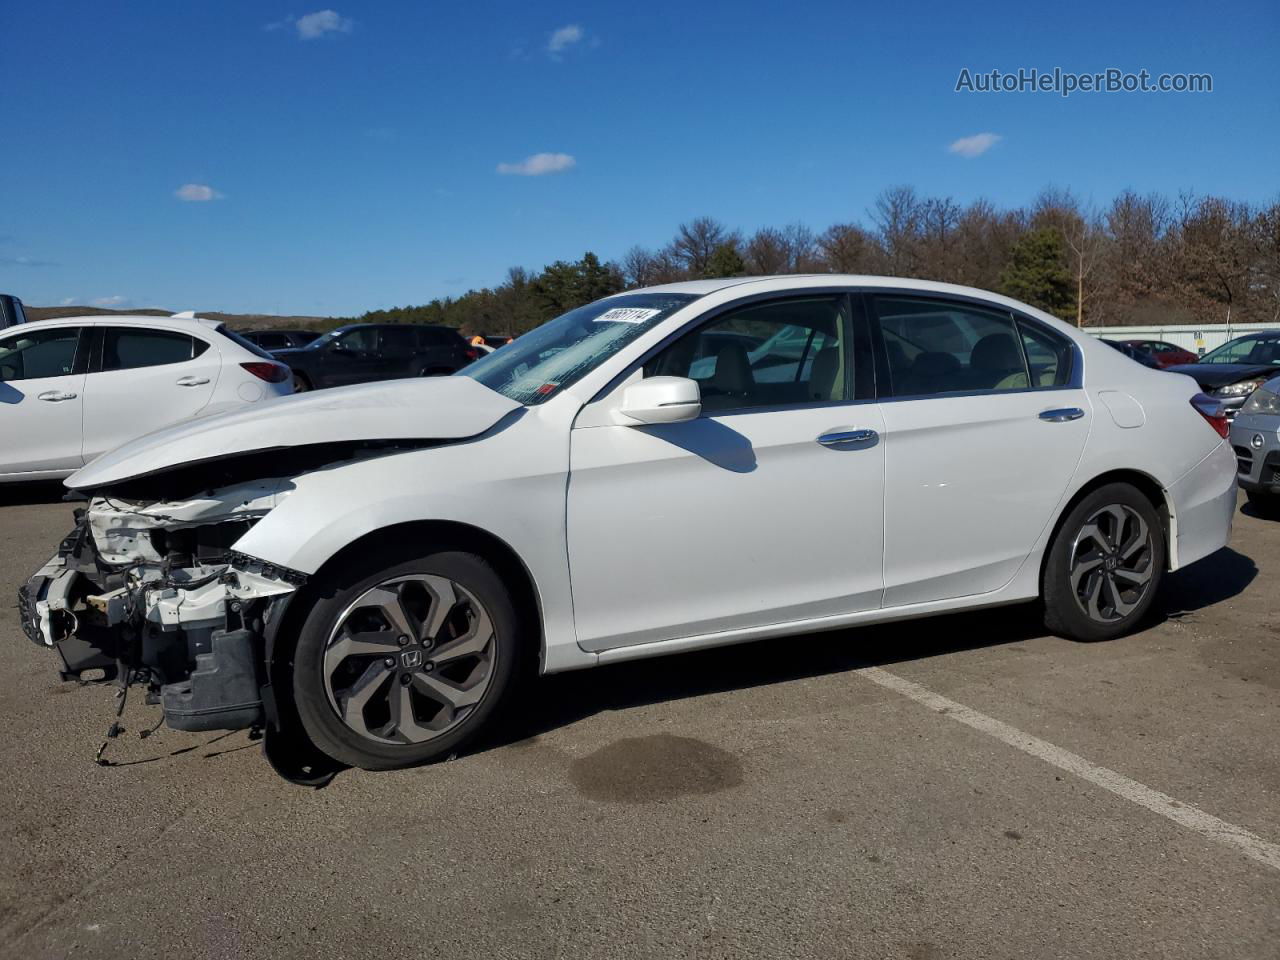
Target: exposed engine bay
152,593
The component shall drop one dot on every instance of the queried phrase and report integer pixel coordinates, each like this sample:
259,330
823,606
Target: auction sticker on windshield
627,315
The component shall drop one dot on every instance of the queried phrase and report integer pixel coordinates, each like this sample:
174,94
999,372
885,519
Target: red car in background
1165,354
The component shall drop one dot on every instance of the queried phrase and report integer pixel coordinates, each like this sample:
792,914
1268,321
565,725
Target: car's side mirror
661,400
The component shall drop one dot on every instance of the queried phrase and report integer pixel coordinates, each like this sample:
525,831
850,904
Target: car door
399,352
763,510
352,357
143,379
42,375
985,421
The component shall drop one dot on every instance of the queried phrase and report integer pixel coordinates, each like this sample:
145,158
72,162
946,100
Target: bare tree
766,252
897,219
847,248
695,243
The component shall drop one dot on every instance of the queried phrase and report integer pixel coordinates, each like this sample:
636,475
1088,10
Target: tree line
1142,259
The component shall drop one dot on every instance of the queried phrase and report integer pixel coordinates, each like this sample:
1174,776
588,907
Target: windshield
1263,349
541,363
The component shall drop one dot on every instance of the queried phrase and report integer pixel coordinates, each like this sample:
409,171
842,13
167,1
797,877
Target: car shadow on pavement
31,492
562,699
1218,577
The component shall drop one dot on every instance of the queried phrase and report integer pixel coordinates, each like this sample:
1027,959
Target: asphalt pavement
964,786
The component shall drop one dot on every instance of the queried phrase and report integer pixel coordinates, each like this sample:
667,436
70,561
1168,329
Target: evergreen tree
725,262
1037,273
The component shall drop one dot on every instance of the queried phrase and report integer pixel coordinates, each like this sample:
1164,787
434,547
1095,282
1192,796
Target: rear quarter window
131,348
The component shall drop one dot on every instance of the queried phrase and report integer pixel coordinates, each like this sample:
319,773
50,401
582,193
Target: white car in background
73,388
367,572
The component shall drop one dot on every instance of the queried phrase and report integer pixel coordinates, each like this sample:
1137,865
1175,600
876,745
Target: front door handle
56,396
1062,414
192,381
848,438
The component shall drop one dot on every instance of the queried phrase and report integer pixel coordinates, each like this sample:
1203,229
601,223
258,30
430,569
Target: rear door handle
1062,414
55,396
191,381
847,438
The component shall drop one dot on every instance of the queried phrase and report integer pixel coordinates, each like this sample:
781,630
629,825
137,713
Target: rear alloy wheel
408,663
300,384
1105,565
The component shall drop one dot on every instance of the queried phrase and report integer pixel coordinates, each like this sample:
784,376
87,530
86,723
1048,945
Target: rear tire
300,383
1104,566
405,660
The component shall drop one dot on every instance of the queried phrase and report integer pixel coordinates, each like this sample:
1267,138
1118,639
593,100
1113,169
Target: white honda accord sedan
367,573
74,388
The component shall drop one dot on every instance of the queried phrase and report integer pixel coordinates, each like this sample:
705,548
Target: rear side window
38,354
1048,356
128,348
941,346
399,339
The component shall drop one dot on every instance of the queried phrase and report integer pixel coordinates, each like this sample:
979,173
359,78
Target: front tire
1104,566
300,383
402,663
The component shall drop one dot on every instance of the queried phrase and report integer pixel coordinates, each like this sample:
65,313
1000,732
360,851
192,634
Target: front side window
940,346
1247,350
543,362
129,348
359,340
767,355
39,353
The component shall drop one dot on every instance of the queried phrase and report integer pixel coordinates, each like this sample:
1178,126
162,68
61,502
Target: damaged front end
153,593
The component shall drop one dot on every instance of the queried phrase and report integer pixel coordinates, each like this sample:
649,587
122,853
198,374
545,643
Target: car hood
1220,374
429,408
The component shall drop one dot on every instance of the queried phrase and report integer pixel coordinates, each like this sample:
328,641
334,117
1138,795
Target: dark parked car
1236,368
11,311
376,351
279,339
1165,354
1133,353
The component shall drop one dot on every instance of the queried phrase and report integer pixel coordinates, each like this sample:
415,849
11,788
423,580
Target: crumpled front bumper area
157,597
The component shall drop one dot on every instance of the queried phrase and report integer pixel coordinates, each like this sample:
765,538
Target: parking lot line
1183,814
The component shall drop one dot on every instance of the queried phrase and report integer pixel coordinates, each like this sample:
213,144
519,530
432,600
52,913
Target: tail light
1214,413
270,372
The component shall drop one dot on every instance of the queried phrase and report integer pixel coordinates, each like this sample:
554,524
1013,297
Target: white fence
1197,339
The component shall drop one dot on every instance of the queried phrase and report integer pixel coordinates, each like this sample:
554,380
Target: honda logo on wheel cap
411,659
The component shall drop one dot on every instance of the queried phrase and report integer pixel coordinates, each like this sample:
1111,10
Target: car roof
781,282
182,324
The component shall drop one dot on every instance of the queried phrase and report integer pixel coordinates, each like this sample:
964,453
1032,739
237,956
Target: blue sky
346,157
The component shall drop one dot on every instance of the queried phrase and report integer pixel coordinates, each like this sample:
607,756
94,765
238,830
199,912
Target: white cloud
25,262
313,25
538,165
976,145
66,301
116,301
562,38
197,193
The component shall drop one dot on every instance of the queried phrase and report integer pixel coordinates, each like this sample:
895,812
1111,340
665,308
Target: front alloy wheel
404,659
409,660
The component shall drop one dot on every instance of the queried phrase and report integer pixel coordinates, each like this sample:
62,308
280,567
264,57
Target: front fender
519,501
